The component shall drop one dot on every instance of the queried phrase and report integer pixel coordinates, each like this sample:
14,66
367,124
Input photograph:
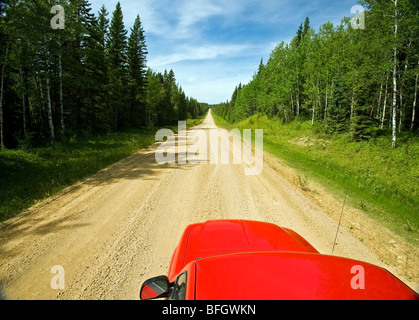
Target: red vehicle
248,260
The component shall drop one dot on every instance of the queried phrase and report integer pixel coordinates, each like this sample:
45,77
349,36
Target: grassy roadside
29,176
380,180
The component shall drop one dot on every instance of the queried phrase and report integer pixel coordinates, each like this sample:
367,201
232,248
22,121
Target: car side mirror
155,288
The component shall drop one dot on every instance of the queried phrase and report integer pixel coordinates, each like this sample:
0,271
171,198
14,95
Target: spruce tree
117,47
137,69
168,112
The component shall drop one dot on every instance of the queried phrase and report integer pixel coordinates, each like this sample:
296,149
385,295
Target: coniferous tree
168,112
137,69
117,64
182,106
83,78
155,98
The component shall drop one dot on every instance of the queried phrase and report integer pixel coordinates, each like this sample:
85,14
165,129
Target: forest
362,82
66,71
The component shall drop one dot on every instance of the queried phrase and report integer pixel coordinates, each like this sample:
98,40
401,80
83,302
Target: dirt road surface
120,227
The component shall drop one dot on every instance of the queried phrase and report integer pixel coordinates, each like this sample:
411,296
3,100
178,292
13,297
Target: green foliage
89,77
362,127
341,77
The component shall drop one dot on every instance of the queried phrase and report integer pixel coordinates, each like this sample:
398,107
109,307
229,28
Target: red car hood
294,276
231,236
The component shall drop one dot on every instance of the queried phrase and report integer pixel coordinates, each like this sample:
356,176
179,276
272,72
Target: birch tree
4,52
415,99
395,61
3,70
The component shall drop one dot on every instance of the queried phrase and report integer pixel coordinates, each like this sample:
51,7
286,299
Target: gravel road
119,227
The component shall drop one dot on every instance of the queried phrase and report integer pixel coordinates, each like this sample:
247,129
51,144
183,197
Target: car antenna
340,221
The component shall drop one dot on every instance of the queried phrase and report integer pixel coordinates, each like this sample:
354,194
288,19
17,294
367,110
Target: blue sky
213,45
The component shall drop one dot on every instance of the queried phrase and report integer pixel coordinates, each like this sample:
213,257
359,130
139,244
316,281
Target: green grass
29,176
194,122
381,181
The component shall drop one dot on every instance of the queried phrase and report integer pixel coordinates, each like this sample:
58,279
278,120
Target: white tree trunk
326,104
3,69
385,106
394,121
298,104
401,109
50,122
380,97
61,94
414,102
23,100
352,104
49,106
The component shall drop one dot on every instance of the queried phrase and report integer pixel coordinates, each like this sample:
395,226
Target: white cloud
193,13
205,52
164,18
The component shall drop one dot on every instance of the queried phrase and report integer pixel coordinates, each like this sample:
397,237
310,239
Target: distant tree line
358,81
90,76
